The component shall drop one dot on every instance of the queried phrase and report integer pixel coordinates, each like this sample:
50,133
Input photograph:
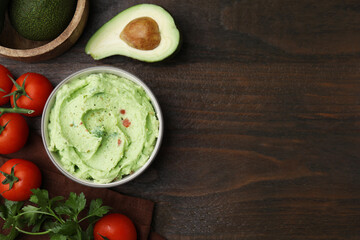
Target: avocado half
146,32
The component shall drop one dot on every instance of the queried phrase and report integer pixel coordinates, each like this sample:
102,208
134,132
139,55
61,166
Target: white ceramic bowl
50,103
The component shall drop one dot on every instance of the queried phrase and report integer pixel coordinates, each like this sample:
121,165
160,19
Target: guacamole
102,127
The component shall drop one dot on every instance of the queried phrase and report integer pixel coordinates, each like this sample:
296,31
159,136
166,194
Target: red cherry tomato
27,177
14,132
38,88
5,84
115,227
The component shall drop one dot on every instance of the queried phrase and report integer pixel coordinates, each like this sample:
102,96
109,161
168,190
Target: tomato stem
20,90
10,179
105,238
16,110
2,128
16,95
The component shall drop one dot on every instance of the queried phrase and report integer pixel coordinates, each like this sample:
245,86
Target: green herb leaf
9,223
89,233
57,237
63,210
48,225
68,228
11,236
3,212
41,198
37,226
31,214
12,207
79,234
76,203
12,210
55,201
96,209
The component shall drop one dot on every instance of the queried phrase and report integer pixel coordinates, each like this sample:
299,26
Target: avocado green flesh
107,42
41,20
89,127
3,7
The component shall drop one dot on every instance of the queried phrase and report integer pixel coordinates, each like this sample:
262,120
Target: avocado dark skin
3,7
41,20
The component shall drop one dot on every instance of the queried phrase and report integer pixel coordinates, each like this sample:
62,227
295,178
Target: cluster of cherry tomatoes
27,94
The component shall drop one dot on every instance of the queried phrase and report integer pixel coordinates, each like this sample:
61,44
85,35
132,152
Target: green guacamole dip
102,127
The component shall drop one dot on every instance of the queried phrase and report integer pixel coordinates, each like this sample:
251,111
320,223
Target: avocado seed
142,33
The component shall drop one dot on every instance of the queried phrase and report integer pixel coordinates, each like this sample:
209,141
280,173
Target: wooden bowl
14,46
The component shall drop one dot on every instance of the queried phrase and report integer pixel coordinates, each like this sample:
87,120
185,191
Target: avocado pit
142,33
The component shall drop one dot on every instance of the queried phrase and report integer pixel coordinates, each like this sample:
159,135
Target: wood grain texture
262,118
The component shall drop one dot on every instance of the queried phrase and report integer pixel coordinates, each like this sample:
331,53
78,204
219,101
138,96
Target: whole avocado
3,7
41,20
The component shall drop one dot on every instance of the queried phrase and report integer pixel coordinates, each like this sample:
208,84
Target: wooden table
262,114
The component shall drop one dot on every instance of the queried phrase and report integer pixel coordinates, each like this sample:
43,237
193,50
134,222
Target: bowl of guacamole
102,126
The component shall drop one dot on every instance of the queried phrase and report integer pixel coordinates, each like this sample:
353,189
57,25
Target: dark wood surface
262,114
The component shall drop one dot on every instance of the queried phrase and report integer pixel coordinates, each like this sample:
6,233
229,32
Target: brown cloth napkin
137,209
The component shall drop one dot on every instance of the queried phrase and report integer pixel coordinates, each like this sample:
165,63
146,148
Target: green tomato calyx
10,179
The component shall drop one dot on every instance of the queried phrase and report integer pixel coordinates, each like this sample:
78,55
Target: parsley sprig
57,217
